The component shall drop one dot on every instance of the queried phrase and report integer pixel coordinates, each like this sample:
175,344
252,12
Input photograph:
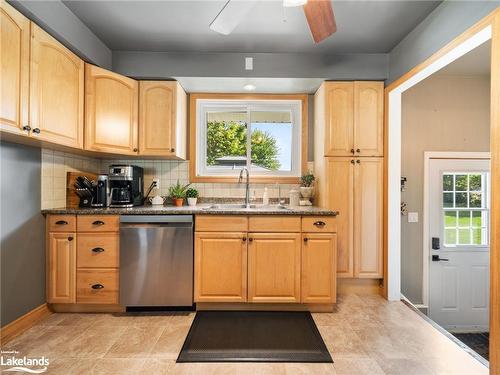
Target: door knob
436,258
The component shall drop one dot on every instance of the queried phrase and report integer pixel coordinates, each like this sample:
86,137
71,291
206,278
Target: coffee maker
126,184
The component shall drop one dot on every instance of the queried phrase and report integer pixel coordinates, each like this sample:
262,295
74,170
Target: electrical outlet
413,217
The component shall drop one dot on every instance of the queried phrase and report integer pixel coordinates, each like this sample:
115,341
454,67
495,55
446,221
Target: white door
459,244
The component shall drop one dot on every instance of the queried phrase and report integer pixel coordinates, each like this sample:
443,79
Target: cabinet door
61,268
368,217
111,111
162,119
340,172
319,253
369,118
220,267
56,91
14,69
339,133
274,267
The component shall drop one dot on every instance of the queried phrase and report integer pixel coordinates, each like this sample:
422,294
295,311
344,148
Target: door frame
428,156
468,40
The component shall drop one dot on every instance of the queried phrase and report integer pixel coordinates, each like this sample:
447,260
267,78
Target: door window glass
465,209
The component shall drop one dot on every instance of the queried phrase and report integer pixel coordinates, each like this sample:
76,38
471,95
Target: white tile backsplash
55,164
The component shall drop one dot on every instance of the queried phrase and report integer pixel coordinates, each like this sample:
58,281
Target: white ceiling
262,85
183,26
476,62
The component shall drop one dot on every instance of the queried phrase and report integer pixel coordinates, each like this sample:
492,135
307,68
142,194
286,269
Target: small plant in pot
192,196
307,182
177,193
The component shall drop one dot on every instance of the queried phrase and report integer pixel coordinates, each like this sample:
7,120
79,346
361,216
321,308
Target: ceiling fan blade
231,14
319,15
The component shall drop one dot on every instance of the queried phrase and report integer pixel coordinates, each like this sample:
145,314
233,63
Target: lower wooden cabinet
97,286
82,259
274,267
61,267
221,267
318,265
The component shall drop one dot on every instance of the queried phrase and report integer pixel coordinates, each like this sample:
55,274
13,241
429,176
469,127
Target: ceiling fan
319,16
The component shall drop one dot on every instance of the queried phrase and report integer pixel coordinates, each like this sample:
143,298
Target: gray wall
22,231
153,65
60,22
446,22
440,114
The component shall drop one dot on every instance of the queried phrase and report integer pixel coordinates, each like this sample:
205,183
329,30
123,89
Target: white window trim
204,105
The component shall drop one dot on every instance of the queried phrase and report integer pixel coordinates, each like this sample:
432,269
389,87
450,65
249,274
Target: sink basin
228,207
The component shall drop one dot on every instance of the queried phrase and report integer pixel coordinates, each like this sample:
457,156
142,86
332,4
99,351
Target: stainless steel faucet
247,193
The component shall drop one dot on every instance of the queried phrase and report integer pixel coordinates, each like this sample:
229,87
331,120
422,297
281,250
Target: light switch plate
248,63
413,217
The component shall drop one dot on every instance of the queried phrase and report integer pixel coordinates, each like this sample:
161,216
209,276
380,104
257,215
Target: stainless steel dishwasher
156,260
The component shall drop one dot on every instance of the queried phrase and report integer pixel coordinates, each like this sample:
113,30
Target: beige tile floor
365,335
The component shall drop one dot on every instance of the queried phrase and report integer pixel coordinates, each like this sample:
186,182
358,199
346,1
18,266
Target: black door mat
254,336
479,342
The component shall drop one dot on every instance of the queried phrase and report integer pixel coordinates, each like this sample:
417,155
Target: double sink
236,207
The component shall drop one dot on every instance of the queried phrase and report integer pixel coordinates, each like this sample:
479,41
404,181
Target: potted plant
192,196
177,193
307,181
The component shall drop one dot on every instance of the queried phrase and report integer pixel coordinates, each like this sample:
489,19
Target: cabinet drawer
274,224
97,286
98,223
61,223
319,224
221,223
98,250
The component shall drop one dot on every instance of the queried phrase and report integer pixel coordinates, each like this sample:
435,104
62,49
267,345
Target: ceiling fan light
294,3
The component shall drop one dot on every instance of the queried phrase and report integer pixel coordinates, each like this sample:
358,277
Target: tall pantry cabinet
349,145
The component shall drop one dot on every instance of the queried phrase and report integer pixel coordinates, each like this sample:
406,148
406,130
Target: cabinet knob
97,286
319,223
358,161
97,250
250,239
172,150
98,222
244,239
70,238
36,130
358,150
352,151
352,161
306,239
135,150
27,128
61,222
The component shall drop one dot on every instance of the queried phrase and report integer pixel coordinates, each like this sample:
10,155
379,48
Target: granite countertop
200,209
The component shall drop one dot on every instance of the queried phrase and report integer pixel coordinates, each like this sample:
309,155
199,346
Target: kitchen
153,204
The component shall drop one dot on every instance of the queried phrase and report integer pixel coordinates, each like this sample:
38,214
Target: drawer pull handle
306,239
98,222
97,250
320,224
61,222
97,286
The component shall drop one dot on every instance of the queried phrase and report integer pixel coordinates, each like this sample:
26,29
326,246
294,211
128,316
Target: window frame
199,103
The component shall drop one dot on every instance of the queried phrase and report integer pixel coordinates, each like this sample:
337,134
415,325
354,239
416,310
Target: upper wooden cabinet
274,267
349,119
162,119
56,91
14,70
111,112
369,118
